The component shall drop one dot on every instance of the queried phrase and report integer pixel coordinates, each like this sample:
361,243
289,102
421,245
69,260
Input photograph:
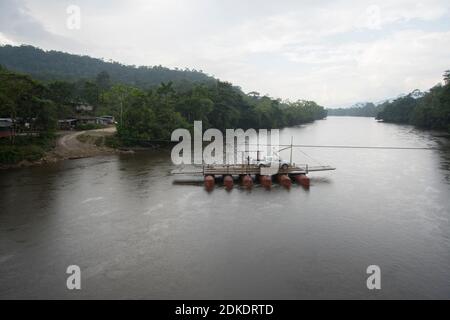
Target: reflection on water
138,232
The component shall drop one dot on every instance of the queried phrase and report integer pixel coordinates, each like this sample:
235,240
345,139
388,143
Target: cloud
5,41
19,26
16,22
333,52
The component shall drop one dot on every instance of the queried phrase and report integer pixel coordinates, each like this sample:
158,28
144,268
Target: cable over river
135,233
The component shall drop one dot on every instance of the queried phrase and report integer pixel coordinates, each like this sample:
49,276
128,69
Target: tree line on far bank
367,109
153,114
430,111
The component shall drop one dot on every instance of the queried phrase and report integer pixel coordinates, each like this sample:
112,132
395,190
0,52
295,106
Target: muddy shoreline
69,147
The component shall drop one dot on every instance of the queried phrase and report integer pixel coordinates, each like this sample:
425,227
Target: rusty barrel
303,180
265,181
209,182
284,180
228,182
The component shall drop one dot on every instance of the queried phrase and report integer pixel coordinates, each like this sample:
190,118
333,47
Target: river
136,234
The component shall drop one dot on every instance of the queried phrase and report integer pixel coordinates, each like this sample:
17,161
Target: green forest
142,113
431,111
150,114
28,103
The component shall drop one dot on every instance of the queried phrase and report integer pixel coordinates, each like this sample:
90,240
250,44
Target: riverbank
72,145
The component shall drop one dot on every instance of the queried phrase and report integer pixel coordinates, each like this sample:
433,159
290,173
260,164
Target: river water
136,234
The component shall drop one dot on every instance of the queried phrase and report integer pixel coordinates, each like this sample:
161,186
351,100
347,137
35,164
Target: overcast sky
333,52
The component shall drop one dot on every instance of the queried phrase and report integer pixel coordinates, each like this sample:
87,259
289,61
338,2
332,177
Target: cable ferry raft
262,170
247,174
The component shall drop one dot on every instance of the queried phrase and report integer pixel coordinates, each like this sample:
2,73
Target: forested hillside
143,114
149,101
54,65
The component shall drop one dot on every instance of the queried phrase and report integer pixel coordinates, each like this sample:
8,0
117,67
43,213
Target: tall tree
103,81
447,76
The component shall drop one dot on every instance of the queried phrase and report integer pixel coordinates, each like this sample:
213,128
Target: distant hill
370,109
362,109
55,65
415,94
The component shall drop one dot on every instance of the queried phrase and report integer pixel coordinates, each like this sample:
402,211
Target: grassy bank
25,148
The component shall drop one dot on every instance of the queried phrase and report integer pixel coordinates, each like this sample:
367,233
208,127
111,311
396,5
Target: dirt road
68,146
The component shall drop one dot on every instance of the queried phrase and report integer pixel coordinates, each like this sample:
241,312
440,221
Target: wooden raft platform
239,169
